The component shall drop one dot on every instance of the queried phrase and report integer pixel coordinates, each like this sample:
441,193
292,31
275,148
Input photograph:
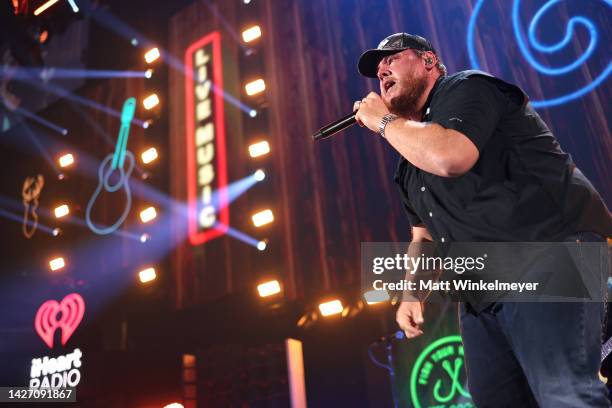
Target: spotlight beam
239,235
41,121
47,74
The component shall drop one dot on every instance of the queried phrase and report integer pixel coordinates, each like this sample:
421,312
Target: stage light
174,405
149,155
147,275
43,37
331,308
66,160
152,55
246,1
57,263
44,7
56,232
150,101
373,297
252,113
134,42
148,214
262,218
262,245
148,73
251,34
61,211
145,238
147,123
259,149
255,87
259,175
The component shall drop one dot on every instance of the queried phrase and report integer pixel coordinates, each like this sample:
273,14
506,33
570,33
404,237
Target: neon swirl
110,164
546,48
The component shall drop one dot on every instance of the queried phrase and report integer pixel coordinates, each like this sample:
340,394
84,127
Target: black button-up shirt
523,186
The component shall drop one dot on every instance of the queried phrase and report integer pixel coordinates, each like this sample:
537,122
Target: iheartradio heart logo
72,309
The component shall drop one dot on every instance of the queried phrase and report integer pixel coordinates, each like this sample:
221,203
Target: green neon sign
436,378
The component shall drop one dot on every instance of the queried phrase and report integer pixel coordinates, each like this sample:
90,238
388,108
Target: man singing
478,164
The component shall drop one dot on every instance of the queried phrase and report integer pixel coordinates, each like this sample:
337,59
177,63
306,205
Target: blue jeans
535,354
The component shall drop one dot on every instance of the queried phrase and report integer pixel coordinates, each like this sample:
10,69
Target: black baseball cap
368,62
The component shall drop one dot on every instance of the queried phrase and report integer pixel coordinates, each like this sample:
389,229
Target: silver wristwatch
388,118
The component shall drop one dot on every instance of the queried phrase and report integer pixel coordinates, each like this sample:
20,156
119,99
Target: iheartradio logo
65,315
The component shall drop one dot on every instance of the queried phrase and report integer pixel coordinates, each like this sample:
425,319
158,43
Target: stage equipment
105,171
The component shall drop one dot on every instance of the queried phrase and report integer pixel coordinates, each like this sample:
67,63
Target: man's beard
406,104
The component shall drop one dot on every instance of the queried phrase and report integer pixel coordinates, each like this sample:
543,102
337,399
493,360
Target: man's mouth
387,85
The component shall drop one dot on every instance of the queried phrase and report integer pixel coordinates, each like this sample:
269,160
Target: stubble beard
406,103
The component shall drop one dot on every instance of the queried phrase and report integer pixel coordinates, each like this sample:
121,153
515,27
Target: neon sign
117,161
62,371
546,49
30,193
438,378
71,310
205,132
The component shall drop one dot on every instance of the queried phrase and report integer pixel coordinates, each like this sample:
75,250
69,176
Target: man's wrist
384,121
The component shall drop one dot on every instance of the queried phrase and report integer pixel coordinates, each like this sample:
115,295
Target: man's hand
370,110
409,317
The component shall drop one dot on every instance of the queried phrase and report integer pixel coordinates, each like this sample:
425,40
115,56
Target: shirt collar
430,97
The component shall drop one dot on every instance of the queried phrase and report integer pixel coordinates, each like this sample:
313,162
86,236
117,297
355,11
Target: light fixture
148,73
148,214
57,263
147,275
66,160
152,55
251,34
255,87
373,297
44,7
145,238
56,232
262,218
269,288
259,149
150,101
252,113
262,245
331,307
149,155
61,211
259,175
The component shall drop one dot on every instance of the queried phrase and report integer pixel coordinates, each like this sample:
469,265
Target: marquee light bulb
148,214
330,308
262,218
268,288
255,87
147,275
152,55
251,33
150,101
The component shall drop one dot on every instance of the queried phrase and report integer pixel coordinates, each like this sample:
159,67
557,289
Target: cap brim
369,60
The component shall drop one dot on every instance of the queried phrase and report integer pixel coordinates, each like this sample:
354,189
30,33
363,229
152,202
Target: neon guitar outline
117,161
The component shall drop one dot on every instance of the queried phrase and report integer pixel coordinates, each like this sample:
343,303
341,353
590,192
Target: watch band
388,118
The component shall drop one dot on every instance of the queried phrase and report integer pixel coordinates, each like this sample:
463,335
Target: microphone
335,127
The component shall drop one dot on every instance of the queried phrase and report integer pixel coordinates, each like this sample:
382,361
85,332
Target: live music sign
208,210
